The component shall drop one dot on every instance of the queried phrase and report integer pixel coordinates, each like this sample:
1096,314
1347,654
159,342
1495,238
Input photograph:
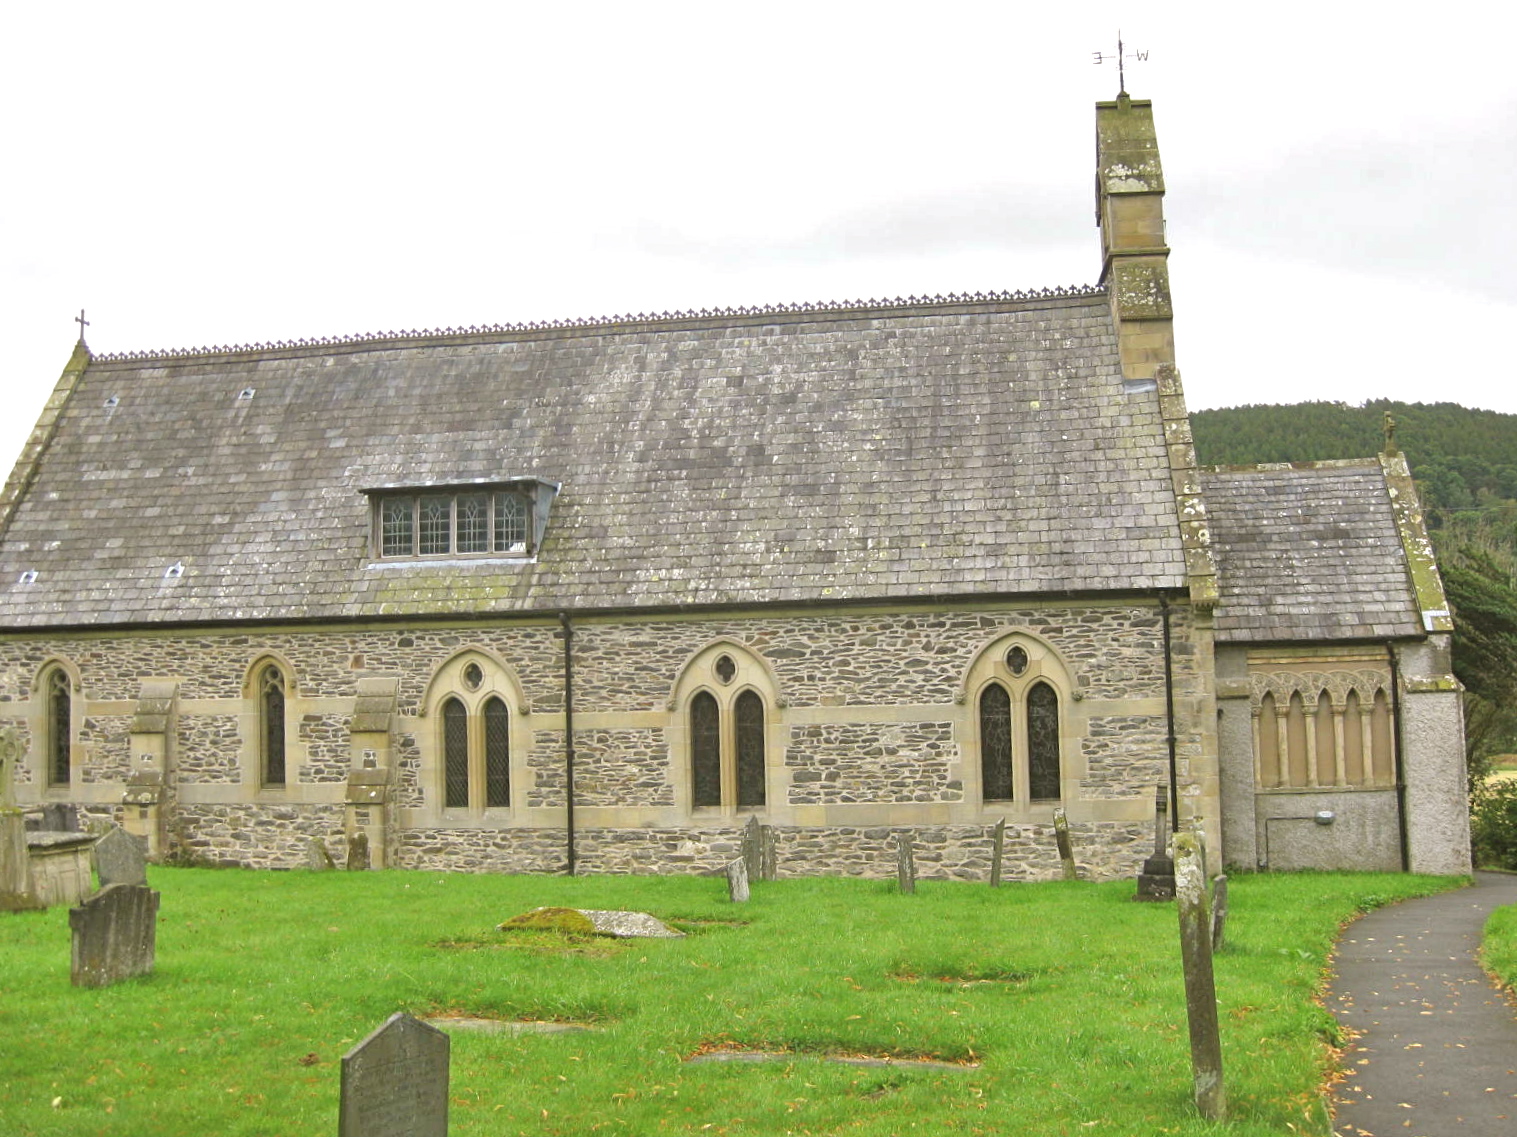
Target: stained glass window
705,750
1043,742
749,716
455,746
497,753
60,728
271,725
995,744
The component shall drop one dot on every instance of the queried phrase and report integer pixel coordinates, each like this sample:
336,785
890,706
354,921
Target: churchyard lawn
1044,1008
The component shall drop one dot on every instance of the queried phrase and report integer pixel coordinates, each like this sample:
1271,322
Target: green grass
1498,948
1068,996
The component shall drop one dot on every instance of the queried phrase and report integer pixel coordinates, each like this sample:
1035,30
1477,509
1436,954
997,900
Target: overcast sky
1340,176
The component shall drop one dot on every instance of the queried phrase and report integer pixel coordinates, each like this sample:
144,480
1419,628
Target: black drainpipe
563,619
1396,738
1169,713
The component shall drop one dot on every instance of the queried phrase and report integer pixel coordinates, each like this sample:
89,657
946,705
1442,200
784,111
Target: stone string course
841,679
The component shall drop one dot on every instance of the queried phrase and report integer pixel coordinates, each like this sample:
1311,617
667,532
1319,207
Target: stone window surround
699,674
40,726
250,728
1045,665
448,682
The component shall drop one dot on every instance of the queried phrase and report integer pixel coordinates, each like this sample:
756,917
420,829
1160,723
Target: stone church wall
870,727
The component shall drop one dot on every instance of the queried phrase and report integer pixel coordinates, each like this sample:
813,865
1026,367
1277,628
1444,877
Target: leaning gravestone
115,935
120,858
395,1082
318,856
752,855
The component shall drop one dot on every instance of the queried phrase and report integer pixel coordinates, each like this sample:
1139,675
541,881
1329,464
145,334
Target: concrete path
1436,1052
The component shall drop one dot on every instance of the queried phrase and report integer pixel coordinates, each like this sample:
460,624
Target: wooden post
1061,837
997,847
1200,986
905,866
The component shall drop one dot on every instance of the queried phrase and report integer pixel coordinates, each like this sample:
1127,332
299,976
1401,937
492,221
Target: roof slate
874,453
1308,552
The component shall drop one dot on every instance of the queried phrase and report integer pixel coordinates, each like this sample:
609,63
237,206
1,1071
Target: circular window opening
474,675
1016,659
725,669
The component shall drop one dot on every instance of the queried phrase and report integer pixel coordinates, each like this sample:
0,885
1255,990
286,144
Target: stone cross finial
1390,433
82,322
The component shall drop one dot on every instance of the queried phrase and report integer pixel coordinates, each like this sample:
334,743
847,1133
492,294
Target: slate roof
940,449
1308,551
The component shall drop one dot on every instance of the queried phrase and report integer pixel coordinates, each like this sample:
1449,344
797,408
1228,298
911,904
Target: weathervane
1121,57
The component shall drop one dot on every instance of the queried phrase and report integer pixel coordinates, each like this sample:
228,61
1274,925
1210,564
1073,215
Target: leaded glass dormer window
503,520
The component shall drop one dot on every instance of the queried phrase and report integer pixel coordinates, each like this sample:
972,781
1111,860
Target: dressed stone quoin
590,595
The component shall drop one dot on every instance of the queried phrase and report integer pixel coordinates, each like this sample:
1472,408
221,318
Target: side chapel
588,595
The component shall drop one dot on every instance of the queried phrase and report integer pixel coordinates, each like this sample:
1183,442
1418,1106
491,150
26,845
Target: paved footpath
1436,1053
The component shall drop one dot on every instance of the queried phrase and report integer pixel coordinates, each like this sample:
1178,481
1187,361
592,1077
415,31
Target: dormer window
460,521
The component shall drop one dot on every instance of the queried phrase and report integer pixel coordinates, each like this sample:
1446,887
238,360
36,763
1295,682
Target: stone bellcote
1130,212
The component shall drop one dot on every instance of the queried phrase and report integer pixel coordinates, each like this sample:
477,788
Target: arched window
1018,716
60,727
271,699
725,728
474,731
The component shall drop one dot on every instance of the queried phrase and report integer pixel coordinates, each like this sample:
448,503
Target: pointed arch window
60,727
1019,720
476,754
727,750
271,724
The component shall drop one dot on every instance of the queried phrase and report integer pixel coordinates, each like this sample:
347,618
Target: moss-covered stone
570,921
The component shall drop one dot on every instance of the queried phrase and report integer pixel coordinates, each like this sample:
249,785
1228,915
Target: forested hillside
1465,463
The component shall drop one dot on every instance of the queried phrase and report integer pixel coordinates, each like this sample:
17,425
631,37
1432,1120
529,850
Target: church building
589,595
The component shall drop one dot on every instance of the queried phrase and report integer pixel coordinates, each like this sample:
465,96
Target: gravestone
905,864
120,858
318,856
1157,880
1218,911
768,854
395,1082
1061,838
737,880
358,852
15,863
997,849
1200,982
753,857
115,935
60,817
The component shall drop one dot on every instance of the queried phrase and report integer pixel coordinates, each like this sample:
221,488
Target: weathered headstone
752,855
1061,838
1157,880
737,880
120,858
318,856
115,935
15,864
1200,984
905,864
768,854
997,850
358,852
1218,911
395,1082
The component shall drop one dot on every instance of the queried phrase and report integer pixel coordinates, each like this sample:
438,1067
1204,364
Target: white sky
1340,175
